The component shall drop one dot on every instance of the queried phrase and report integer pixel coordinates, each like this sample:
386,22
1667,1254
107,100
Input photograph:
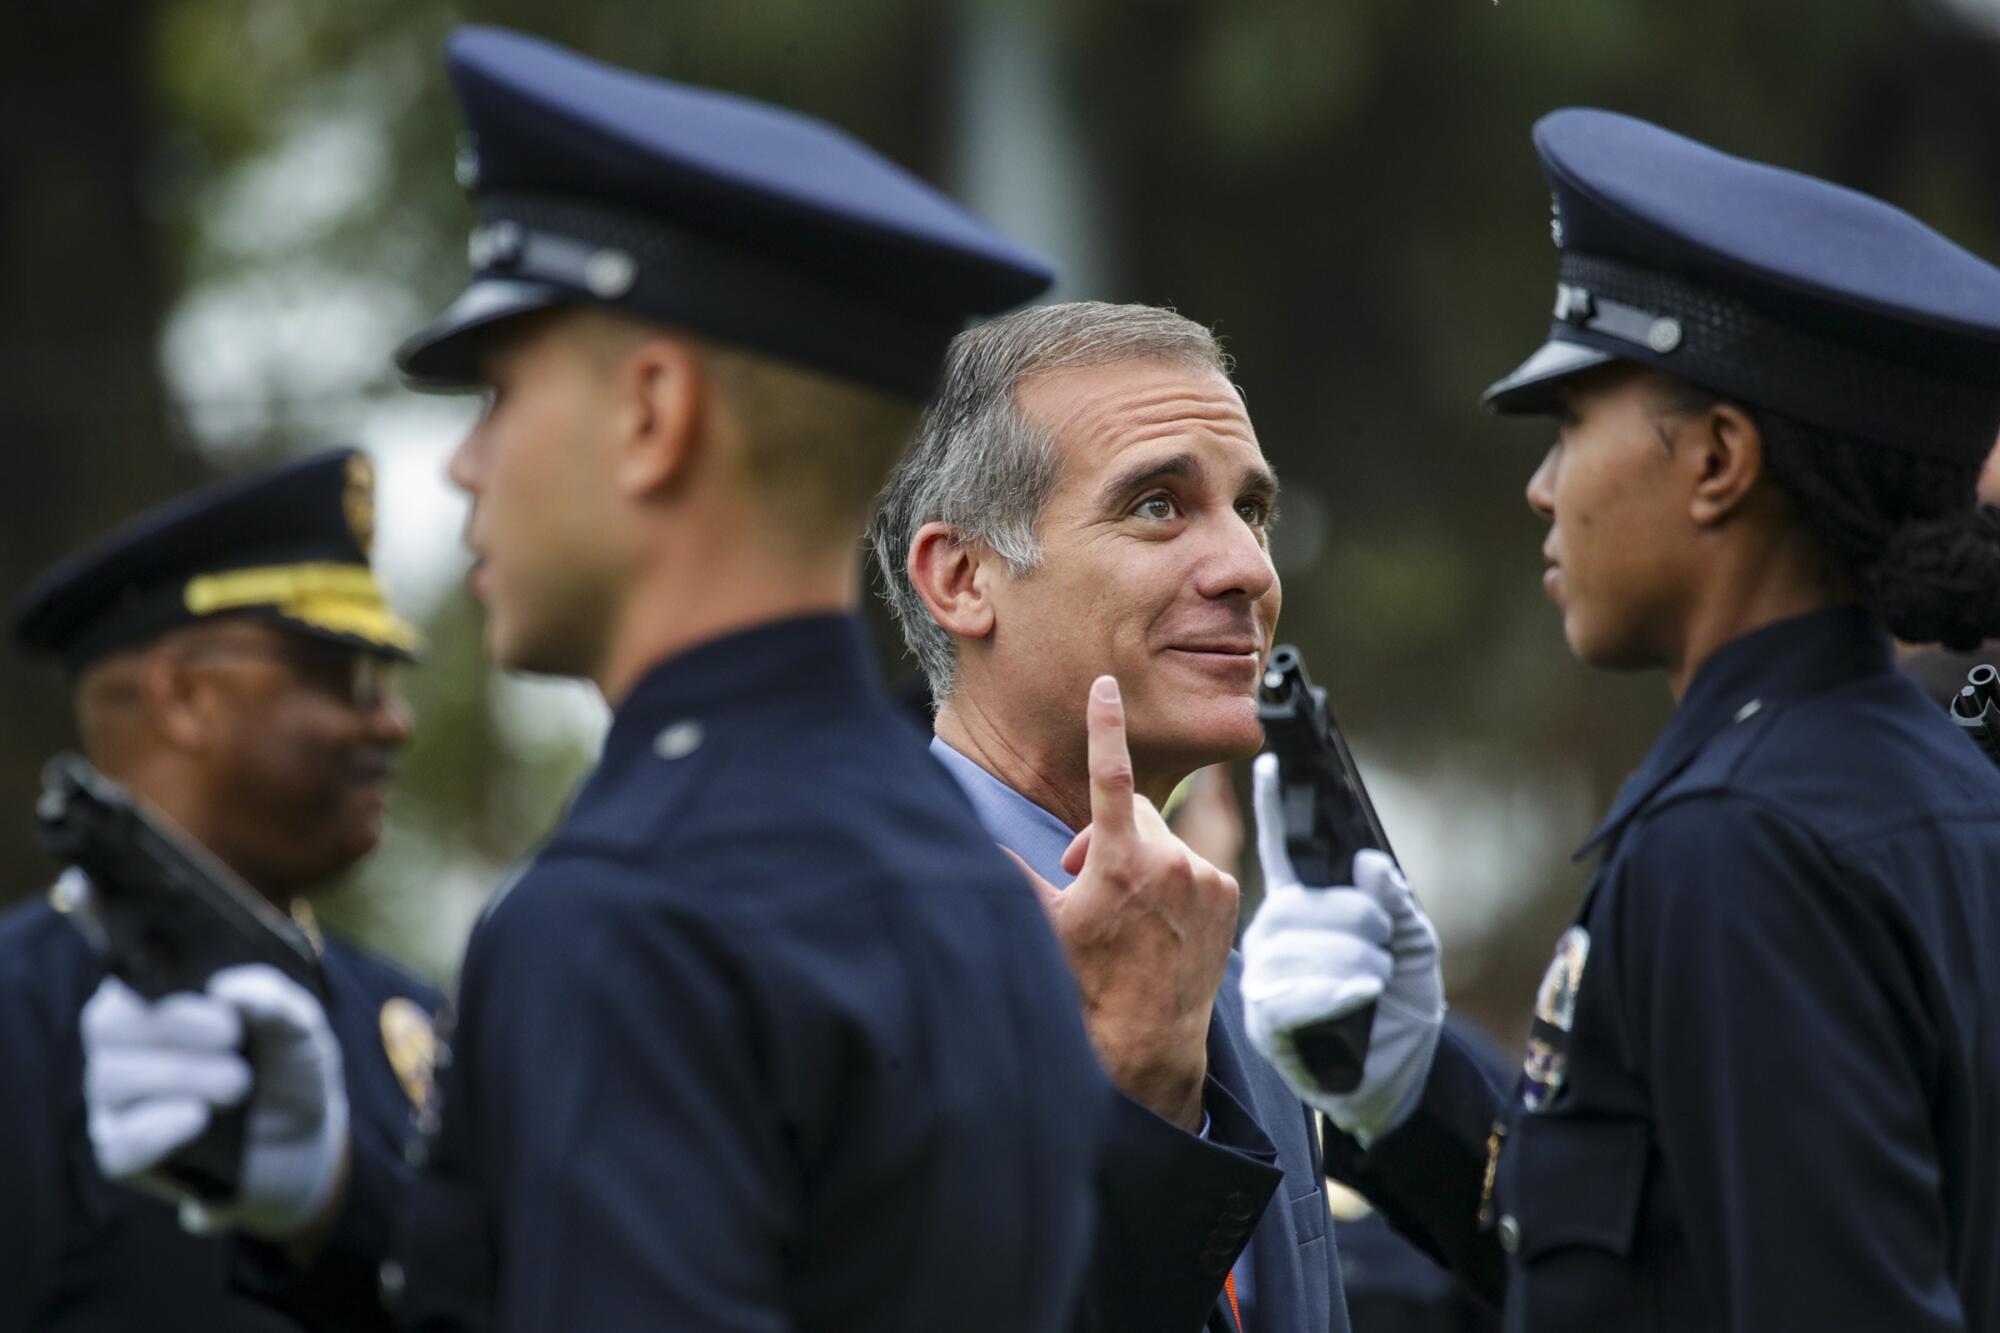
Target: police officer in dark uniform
231,661
768,1035
1763,1083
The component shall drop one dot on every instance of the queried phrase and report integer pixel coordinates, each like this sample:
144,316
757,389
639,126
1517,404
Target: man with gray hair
1076,550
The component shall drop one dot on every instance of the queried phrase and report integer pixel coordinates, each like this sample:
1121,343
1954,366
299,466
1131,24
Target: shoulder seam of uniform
1725,786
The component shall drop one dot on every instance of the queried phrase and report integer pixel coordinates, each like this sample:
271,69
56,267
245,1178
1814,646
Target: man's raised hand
1147,927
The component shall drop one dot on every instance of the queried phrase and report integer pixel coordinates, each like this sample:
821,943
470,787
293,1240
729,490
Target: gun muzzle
1976,709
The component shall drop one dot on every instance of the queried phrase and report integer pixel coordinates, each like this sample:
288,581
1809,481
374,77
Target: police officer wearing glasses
232,661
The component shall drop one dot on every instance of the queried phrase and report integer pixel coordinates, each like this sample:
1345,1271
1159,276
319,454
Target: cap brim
1531,388
444,354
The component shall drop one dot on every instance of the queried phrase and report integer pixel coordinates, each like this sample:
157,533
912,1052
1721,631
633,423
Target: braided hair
1906,528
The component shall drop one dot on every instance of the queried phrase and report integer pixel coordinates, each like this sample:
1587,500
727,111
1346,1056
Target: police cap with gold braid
708,212
1768,287
289,545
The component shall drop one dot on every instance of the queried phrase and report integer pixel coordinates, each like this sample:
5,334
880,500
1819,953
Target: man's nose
394,724
1239,563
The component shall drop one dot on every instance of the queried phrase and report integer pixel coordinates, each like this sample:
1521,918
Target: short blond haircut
817,447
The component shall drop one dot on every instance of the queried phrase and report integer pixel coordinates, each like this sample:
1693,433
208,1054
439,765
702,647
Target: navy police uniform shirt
1763,1083
766,1037
79,1254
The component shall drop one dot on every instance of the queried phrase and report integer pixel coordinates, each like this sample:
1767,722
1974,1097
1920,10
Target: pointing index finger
1111,817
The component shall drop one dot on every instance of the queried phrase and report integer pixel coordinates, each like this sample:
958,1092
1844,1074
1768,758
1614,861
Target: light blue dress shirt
1040,839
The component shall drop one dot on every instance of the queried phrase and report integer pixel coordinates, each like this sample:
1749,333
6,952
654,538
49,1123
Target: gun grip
1335,1049
211,1167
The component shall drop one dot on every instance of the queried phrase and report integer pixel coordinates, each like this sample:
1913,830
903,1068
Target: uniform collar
1009,818
818,660
1800,656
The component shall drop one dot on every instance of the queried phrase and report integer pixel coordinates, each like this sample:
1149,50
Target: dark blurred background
217,216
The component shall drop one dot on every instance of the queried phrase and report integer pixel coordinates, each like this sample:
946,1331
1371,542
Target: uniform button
678,740
1510,1234
390,1280
1237,1207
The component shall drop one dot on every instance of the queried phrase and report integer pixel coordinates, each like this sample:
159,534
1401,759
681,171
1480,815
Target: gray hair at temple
986,471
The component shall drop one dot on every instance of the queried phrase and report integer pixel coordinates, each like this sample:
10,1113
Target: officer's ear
1727,460
660,398
951,576
178,698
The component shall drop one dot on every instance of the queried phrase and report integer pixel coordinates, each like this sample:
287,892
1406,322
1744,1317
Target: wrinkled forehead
1100,416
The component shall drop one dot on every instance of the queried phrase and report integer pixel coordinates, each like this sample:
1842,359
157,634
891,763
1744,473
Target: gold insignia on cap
359,501
341,599
409,1038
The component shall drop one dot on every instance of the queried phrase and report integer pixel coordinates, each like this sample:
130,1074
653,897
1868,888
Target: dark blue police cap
753,225
289,544
1771,288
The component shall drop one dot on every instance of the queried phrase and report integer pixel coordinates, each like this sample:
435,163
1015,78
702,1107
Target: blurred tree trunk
83,291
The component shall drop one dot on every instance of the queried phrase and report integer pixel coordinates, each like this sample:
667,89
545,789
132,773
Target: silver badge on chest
1547,1065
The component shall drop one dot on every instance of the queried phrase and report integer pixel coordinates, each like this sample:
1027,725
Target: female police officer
1763,1080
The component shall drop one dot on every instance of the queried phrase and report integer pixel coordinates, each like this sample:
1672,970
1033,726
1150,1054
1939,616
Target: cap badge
357,501
496,245
1574,305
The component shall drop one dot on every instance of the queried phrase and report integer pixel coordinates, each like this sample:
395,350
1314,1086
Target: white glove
1318,953
155,1072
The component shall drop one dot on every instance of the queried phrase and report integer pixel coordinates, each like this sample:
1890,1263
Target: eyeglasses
360,679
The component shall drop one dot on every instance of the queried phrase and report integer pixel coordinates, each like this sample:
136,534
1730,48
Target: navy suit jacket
1297,1273
1178,1210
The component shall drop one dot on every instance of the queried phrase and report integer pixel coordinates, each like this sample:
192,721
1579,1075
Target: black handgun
1328,818
1976,709
170,916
